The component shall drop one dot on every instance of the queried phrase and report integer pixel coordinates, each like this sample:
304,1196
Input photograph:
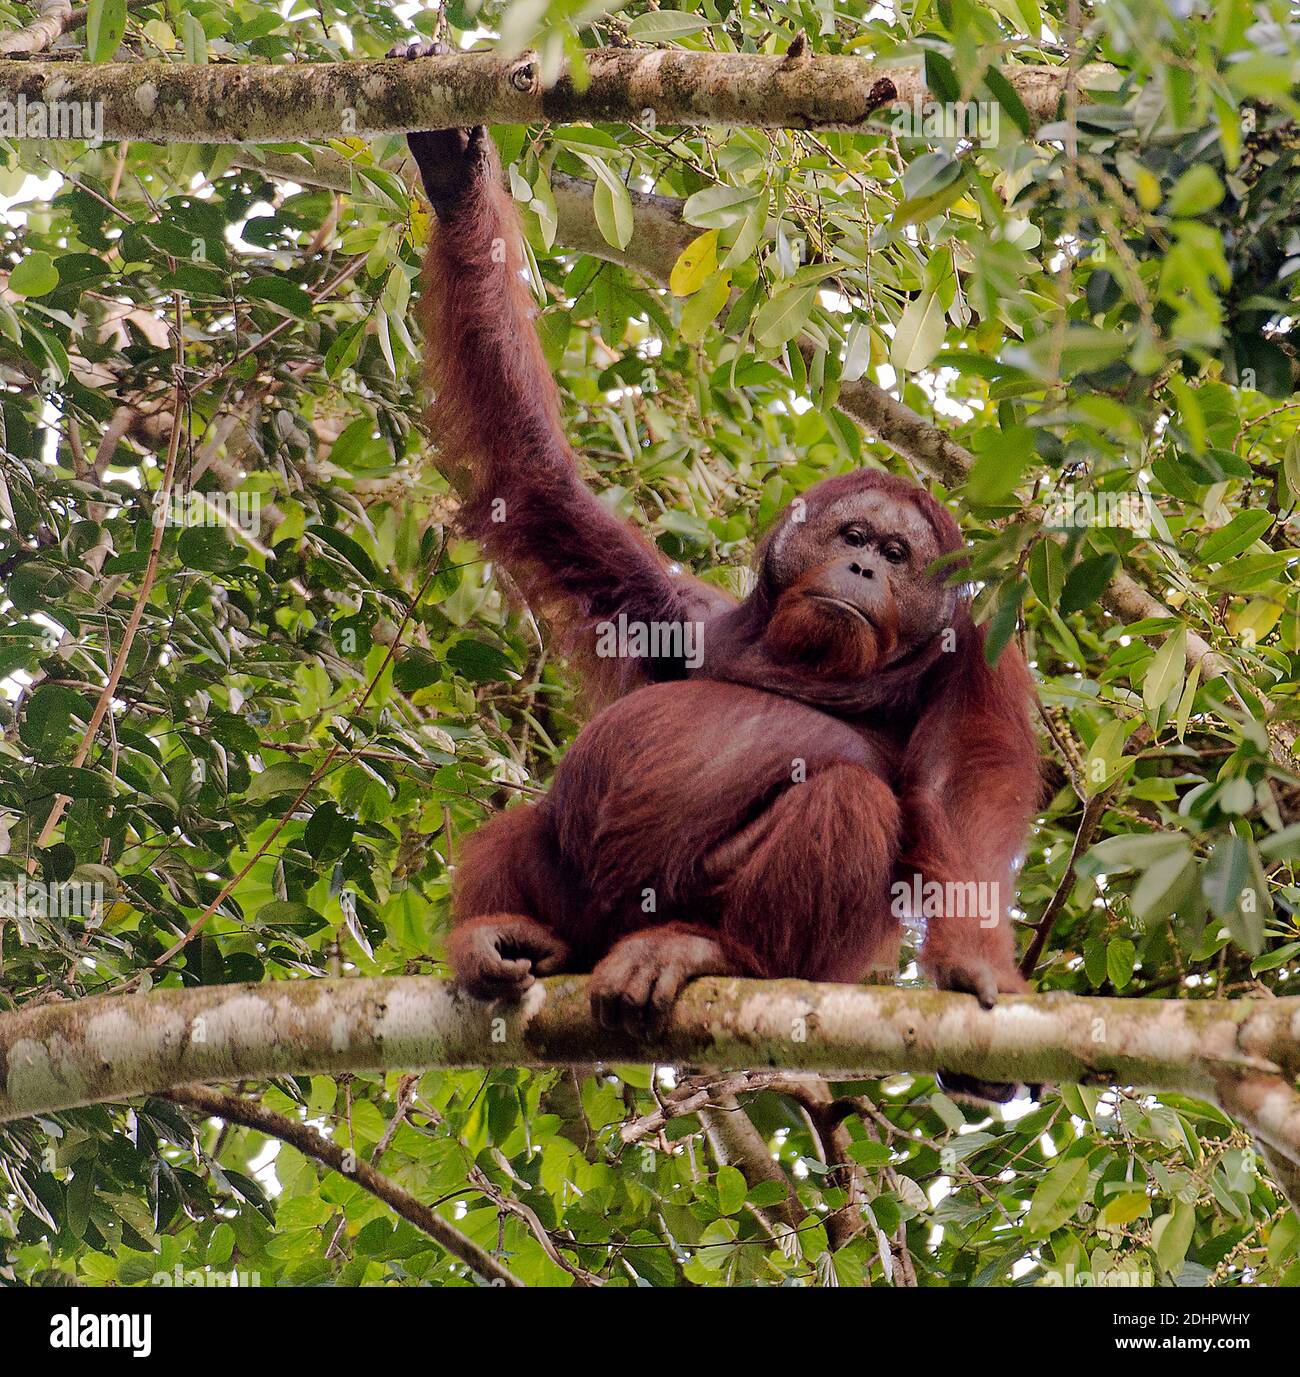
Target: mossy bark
267,103
65,1054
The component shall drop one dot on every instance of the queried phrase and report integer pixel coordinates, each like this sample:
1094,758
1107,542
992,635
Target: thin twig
142,598
234,1109
316,775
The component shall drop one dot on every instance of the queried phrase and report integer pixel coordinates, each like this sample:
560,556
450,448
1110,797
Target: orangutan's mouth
847,606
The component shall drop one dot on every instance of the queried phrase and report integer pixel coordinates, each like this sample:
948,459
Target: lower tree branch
737,1143
234,1109
58,1055
509,1205
688,1097
827,1125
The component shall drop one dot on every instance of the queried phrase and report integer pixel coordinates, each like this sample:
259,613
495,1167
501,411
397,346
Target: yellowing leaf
420,220
1255,620
1199,189
160,35
1124,1209
695,262
1147,187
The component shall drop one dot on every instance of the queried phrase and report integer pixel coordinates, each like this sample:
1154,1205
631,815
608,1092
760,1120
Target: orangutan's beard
816,629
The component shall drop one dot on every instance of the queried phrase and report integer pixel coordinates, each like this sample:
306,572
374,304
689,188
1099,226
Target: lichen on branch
60,1055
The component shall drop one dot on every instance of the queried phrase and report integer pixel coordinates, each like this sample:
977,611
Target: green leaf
783,315
731,1190
1057,1196
73,781
1242,575
1271,960
750,234
1199,189
940,78
931,184
1105,756
1058,355
283,913
1132,851
1225,874
34,275
1006,617
1283,845
919,335
1237,536
328,833
1094,962
208,548
613,210
1183,712
1172,1235
1086,581
284,777
767,1193
1047,572
479,661
416,668
1169,886
105,25
195,38
928,174
703,308
1165,672
1121,956
346,548
716,207
1001,458
1005,95
1124,1209
663,26
48,715
279,291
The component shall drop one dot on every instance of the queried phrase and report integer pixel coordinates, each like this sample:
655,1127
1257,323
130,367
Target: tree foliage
327,690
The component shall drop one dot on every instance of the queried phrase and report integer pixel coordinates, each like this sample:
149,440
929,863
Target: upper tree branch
173,102
53,16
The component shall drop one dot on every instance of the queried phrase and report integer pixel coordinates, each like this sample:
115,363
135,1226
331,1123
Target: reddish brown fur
765,800
496,411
